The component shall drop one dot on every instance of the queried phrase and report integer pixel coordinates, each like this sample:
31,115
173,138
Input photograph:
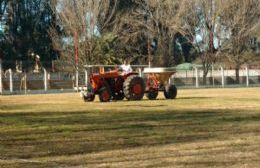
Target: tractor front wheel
134,88
89,98
105,93
170,92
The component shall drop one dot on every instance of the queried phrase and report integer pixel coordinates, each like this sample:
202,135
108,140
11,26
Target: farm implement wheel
134,88
170,92
152,95
105,93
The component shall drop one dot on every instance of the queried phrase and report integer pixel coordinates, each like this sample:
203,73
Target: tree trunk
160,61
211,42
171,52
205,73
237,74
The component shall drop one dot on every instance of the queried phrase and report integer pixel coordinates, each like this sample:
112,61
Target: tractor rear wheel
134,88
170,91
152,95
105,94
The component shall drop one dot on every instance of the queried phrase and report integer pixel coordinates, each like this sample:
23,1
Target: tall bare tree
201,19
166,20
81,22
155,21
241,19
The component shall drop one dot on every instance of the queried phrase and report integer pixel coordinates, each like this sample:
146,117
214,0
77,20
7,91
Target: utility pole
148,37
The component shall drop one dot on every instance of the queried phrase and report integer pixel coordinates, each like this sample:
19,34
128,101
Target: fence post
197,77
45,80
140,72
11,87
223,76
247,76
1,80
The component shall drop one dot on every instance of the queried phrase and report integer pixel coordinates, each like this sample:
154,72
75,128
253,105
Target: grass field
201,128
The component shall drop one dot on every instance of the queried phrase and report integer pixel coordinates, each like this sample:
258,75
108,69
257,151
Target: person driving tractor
126,67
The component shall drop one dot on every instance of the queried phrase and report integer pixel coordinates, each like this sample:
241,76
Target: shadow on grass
29,135
194,98
164,99
140,105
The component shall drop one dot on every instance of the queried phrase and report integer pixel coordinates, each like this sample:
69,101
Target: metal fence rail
45,82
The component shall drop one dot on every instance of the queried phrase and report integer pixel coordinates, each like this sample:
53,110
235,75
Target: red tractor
114,85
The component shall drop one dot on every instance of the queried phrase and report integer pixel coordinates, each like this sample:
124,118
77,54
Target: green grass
201,128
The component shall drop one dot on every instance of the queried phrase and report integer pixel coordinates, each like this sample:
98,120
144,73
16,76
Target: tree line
24,32
81,32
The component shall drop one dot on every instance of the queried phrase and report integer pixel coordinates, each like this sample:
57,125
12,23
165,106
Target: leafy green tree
27,25
104,50
3,4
